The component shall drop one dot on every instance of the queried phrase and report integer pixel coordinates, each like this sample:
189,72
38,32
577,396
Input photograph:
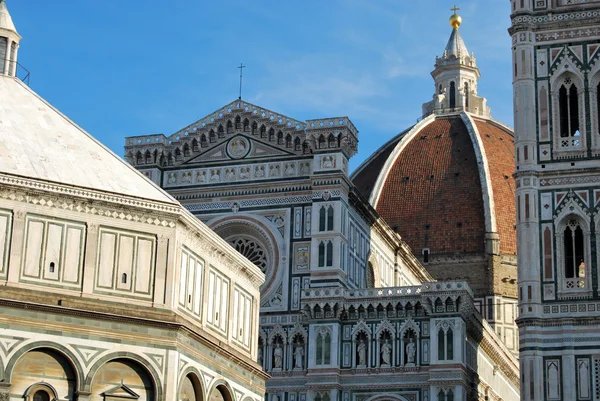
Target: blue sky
132,67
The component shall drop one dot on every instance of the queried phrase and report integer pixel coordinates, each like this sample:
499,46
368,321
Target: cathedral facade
556,80
111,290
347,311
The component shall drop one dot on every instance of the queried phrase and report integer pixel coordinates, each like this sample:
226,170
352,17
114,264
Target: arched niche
123,377
190,387
220,391
43,373
255,238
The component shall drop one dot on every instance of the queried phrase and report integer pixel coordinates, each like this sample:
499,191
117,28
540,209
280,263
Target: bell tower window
467,95
568,104
452,95
574,250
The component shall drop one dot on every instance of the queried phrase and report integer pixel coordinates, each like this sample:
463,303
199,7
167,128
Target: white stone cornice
484,173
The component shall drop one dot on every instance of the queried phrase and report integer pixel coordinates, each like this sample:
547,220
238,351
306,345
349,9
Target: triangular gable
121,392
227,150
237,107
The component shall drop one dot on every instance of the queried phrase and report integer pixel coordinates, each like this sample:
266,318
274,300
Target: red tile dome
444,184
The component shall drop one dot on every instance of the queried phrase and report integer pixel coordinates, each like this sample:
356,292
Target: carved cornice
88,202
84,193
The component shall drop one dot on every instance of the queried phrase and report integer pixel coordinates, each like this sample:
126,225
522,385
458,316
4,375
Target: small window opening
52,267
426,255
124,278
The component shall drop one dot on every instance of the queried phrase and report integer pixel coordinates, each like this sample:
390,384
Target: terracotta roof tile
433,193
499,149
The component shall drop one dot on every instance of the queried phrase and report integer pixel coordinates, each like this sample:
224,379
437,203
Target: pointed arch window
573,255
568,104
326,218
574,259
452,104
325,254
598,105
323,348
467,95
445,395
445,343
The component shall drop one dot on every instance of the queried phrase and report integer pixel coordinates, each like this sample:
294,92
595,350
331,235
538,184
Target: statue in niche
411,350
186,178
244,173
230,175
215,175
304,169
362,353
274,170
260,356
172,178
259,171
201,176
290,170
386,353
328,162
277,356
299,357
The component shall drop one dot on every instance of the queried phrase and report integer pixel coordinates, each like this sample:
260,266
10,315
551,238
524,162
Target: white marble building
110,289
347,312
556,87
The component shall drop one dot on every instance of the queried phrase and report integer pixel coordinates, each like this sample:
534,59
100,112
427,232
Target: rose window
252,251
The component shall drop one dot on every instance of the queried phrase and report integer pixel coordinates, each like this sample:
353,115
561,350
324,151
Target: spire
9,42
456,76
5,19
456,45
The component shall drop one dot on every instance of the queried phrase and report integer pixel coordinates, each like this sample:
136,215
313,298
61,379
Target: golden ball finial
455,19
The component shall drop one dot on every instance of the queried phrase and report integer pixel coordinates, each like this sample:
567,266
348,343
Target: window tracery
445,339
323,346
253,251
568,111
572,239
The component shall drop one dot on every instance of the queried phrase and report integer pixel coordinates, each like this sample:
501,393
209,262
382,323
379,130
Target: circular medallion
238,147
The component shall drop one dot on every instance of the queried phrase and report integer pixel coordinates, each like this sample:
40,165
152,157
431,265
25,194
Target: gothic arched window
568,104
330,218
325,254
598,105
326,218
445,344
323,348
452,95
467,95
573,242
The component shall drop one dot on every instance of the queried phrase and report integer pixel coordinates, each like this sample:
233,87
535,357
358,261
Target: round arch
58,348
258,231
223,387
196,382
144,364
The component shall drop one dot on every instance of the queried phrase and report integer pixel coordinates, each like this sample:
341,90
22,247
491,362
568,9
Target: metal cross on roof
241,67
455,9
